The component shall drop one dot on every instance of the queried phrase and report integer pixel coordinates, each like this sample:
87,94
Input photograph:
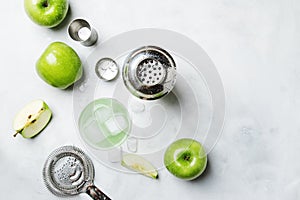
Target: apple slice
32,119
140,165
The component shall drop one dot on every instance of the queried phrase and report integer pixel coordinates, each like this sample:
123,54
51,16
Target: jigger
81,31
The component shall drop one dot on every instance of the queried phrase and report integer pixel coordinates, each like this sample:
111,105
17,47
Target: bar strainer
69,171
149,72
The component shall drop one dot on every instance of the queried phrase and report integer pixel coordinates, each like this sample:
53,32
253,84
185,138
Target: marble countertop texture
255,47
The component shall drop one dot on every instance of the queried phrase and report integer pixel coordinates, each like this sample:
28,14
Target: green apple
140,165
32,119
59,65
185,159
47,13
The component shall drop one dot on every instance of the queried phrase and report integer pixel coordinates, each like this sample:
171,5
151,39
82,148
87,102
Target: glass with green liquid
104,124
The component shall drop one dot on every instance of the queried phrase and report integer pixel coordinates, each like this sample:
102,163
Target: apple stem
186,157
16,134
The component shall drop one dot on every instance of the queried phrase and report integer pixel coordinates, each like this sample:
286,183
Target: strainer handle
95,193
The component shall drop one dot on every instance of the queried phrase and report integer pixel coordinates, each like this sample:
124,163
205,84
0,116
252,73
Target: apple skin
47,13
59,65
186,159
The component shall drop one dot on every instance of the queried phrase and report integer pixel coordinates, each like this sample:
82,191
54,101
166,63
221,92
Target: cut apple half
32,119
140,165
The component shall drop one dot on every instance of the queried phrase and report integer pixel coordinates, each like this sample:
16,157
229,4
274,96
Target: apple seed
45,4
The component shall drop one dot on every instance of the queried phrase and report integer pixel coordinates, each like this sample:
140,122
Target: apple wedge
140,165
32,119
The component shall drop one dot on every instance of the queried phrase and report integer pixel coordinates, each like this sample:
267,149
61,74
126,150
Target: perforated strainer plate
151,72
69,171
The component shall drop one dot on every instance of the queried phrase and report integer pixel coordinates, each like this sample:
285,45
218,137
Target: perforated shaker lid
149,72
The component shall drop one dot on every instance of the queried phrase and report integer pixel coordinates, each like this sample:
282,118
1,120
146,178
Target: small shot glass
132,144
81,31
107,69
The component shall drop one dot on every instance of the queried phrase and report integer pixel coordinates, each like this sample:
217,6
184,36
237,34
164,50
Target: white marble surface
255,46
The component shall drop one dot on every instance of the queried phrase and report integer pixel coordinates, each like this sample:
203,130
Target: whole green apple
59,65
185,159
48,13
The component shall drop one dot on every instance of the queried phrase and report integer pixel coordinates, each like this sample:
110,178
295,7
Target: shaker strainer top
69,171
149,72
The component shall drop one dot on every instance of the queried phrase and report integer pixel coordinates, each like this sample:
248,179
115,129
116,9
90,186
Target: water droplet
82,87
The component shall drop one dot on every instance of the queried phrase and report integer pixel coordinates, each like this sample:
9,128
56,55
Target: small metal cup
81,31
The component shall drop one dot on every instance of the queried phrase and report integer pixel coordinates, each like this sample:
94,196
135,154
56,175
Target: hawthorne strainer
69,171
149,72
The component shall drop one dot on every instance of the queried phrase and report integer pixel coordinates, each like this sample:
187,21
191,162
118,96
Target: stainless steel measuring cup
81,31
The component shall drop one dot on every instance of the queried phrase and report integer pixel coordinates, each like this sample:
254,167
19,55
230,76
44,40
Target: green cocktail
104,123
